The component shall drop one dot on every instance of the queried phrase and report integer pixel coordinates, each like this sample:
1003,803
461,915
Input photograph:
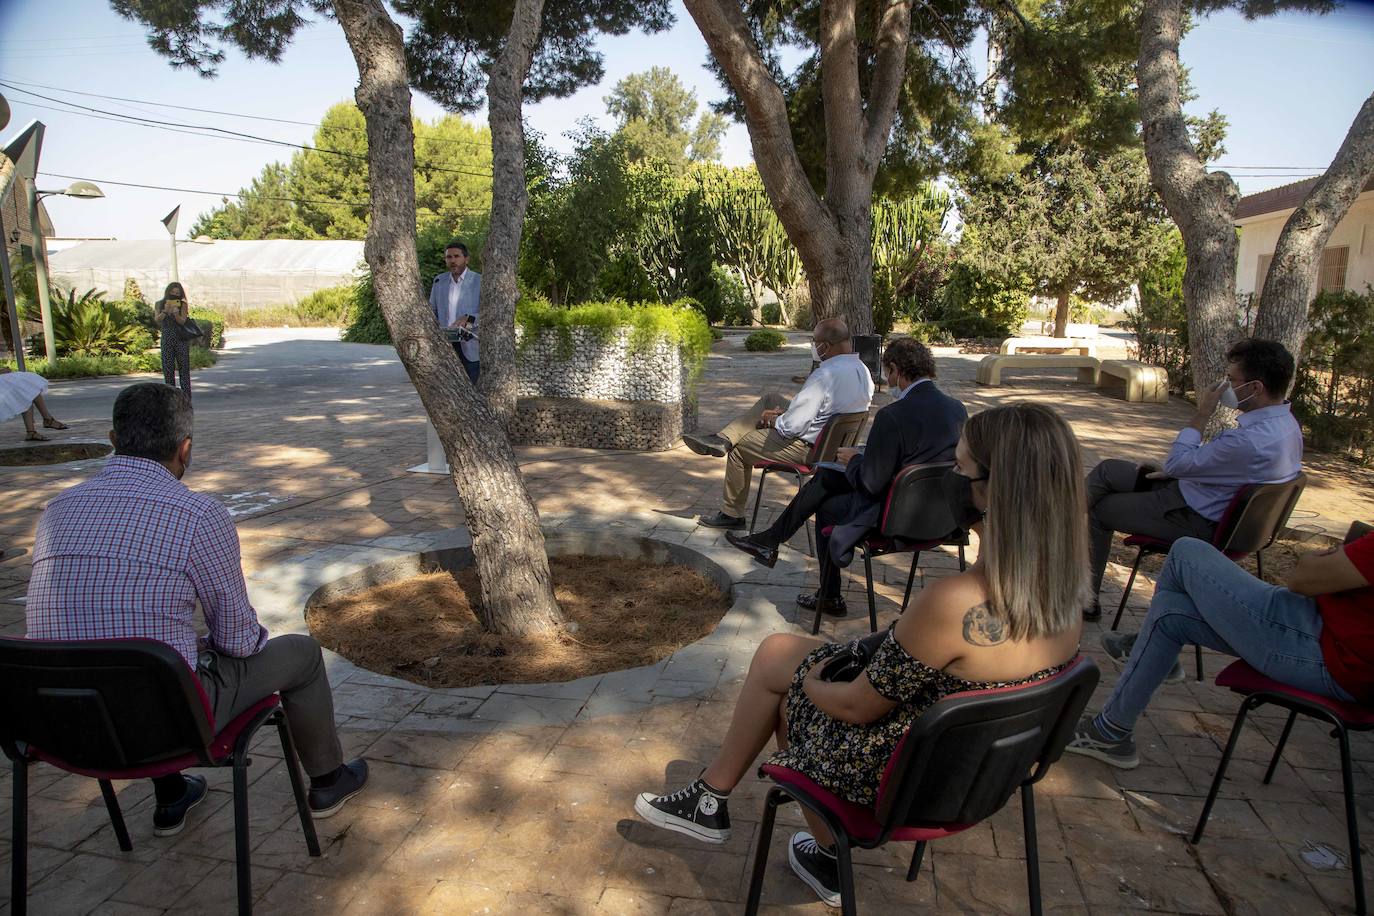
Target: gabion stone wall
603,395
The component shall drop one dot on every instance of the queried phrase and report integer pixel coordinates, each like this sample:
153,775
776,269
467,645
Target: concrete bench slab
1141,382
1082,346
991,367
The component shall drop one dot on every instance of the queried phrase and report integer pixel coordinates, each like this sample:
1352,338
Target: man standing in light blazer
454,298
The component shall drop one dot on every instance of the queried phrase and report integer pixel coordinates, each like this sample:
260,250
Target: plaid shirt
128,553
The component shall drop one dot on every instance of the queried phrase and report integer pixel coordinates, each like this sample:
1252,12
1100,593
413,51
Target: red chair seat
1242,678
220,749
858,820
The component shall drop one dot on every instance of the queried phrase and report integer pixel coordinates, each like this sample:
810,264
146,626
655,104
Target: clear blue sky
1289,85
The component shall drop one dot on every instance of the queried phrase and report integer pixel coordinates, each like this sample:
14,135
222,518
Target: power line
163,125
230,114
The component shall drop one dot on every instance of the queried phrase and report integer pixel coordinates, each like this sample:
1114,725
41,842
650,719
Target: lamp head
83,189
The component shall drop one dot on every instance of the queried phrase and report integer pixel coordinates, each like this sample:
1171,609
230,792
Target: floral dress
849,759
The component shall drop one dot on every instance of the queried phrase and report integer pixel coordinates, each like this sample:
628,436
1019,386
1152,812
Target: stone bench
1081,345
1141,382
991,367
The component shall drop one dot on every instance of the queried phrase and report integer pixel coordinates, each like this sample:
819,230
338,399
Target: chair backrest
916,508
100,704
840,431
964,757
1256,515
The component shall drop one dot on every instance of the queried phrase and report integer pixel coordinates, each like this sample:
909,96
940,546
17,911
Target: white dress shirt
841,384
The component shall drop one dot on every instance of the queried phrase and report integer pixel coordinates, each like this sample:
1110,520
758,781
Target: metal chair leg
1135,567
19,851
872,608
775,797
1352,823
916,859
116,816
962,565
845,860
1278,748
242,855
1032,846
1246,705
910,577
1259,564
810,538
758,498
1197,649
293,768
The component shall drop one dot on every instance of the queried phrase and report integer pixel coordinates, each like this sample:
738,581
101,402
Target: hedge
95,366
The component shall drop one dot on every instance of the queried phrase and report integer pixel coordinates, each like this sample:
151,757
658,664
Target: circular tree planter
40,454
630,601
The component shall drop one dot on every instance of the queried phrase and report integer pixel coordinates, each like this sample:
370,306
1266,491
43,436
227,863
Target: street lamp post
80,189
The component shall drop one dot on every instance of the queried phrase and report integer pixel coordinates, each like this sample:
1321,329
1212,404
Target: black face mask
959,495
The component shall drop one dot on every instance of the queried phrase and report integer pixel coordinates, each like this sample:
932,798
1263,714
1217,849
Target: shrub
976,303
365,321
717,334
89,326
764,340
771,313
1334,394
735,306
679,322
327,306
932,334
112,364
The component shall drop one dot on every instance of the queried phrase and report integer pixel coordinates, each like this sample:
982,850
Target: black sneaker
818,868
710,446
721,520
694,810
326,802
835,607
1118,646
1090,742
169,819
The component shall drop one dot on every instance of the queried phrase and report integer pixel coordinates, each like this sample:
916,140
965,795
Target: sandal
55,424
35,436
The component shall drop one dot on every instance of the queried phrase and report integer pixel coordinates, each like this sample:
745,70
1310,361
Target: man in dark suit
922,425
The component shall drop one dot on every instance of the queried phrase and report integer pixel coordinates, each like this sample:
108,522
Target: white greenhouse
218,274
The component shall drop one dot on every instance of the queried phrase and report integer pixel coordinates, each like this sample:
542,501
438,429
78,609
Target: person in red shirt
1317,634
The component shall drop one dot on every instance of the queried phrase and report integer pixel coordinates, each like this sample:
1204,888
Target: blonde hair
1034,543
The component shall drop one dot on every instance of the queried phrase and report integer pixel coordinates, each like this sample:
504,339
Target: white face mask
1229,399
815,354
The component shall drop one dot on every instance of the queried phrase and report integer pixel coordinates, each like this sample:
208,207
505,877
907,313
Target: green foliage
764,340
732,299
1334,394
109,364
366,323
654,112
326,306
904,232
212,325
680,323
86,325
1160,320
978,304
749,237
263,210
771,313
131,291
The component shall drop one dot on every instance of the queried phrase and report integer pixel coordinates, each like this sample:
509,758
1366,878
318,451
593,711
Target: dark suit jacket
921,428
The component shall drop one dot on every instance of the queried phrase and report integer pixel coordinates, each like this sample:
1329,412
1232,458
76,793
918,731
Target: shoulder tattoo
981,628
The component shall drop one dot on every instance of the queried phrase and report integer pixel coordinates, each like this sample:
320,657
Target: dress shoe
721,520
762,553
712,446
169,819
1093,612
835,607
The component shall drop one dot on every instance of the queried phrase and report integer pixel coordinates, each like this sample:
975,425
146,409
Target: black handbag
189,330
849,662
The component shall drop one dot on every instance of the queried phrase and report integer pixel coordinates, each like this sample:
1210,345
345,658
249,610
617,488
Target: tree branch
894,38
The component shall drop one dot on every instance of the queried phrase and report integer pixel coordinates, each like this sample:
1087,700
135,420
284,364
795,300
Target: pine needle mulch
621,614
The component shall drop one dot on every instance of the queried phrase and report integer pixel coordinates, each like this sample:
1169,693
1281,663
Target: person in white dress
20,393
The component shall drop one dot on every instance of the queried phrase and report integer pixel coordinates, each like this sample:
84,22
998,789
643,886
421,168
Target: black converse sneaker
694,810
817,867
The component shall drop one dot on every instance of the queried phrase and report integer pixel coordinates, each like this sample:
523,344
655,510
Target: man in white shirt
455,297
774,430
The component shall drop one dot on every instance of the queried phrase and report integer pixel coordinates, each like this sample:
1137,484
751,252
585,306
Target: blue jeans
1205,599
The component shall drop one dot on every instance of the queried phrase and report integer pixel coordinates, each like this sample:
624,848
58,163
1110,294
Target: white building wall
1259,235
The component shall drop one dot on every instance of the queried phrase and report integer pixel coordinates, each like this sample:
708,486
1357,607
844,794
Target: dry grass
622,613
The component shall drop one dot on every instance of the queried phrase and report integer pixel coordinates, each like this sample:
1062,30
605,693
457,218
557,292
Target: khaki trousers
749,444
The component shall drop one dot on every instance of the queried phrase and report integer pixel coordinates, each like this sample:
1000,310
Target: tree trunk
833,236
517,595
1201,204
509,198
1061,314
1292,279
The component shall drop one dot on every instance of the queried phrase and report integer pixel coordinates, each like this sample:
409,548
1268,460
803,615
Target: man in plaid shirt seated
131,551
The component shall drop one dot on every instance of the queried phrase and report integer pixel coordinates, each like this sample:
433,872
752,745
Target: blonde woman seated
20,393
1012,618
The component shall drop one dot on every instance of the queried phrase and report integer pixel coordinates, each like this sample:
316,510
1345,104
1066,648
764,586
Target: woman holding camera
1011,618
171,313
